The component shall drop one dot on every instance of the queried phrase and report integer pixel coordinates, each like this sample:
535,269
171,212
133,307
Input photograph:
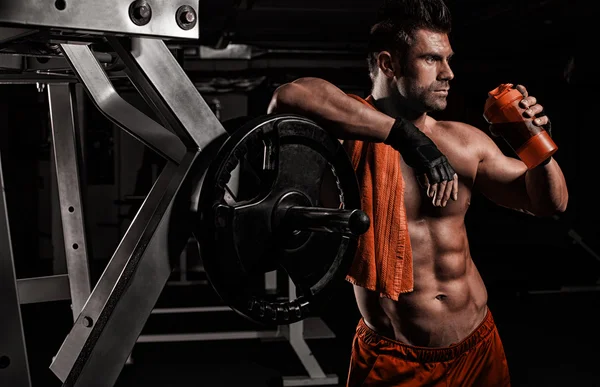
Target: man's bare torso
449,297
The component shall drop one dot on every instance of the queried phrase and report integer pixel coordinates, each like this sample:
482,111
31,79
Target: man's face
424,74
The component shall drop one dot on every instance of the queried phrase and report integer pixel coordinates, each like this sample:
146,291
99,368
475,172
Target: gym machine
282,216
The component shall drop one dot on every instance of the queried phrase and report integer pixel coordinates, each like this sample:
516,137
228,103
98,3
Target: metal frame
316,376
62,119
114,311
89,17
14,366
76,284
109,318
297,333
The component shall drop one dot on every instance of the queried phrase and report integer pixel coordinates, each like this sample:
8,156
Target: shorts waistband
426,354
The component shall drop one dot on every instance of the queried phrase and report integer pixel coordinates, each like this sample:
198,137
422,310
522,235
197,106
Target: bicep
501,178
343,116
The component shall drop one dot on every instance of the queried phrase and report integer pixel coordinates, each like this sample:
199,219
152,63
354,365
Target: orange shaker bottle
531,143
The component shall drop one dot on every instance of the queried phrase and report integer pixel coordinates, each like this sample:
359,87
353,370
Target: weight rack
109,317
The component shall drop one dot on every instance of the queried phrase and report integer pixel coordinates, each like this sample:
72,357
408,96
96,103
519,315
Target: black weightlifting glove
419,152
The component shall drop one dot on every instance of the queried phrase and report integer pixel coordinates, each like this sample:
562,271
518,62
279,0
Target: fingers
432,190
455,188
541,121
528,102
536,112
440,182
532,108
435,191
445,186
447,193
523,90
443,191
533,111
424,181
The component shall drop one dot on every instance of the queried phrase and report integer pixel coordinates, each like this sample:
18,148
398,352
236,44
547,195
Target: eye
430,59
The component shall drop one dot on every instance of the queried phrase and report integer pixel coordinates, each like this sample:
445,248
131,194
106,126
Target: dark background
550,335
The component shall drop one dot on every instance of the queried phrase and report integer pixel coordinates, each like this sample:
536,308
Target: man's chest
419,205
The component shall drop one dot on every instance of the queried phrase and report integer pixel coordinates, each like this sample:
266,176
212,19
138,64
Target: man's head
409,51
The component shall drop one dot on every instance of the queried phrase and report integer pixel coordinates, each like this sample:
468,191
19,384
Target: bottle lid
498,98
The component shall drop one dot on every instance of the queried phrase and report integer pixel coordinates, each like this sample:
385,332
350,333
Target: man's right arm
343,116
348,119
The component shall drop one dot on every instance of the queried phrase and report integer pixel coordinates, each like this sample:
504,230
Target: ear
386,63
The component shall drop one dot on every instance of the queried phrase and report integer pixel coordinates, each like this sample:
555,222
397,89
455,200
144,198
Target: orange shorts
478,360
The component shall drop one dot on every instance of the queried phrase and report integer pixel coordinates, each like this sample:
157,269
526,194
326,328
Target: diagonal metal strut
123,298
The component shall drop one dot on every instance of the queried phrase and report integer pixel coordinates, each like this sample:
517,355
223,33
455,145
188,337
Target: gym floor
550,340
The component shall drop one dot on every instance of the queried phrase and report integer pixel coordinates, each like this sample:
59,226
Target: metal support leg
62,117
316,376
14,366
103,335
59,259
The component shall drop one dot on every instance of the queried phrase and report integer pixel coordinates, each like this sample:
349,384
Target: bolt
188,17
88,322
142,12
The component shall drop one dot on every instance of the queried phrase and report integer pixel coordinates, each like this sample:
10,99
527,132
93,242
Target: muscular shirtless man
441,332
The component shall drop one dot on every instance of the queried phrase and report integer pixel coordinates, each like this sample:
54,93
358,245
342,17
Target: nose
445,73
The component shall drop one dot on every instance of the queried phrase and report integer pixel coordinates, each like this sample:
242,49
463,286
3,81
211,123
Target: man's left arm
541,191
546,189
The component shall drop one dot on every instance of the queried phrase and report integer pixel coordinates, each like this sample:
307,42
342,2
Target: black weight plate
277,156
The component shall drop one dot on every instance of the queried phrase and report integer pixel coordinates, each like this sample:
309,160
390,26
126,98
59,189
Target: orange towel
383,261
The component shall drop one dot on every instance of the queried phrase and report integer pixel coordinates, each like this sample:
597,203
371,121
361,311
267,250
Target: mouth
441,91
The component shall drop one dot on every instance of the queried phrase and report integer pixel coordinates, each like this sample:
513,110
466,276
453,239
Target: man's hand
431,167
441,191
533,109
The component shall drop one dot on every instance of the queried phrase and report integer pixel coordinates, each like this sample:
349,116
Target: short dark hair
398,20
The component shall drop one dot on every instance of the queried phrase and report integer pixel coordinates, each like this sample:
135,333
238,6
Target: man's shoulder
460,135
461,129
452,125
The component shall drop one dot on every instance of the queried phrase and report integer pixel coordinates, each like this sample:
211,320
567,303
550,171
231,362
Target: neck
396,106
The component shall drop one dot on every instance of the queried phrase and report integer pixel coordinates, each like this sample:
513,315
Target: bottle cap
498,99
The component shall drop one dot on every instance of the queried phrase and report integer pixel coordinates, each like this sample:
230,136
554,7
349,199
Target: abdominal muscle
449,297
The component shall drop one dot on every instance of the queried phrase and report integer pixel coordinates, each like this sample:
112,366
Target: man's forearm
323,102
547,189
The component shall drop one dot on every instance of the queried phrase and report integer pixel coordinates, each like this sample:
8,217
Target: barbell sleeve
348,222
